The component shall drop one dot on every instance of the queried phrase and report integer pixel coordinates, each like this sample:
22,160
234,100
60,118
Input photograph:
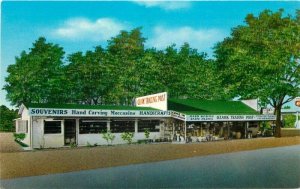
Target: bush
88,144
7,117
19,136
289,121
144,141
109,137
73,144
147,133
127,136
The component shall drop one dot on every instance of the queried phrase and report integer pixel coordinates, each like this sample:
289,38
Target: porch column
246,129
297,125
173,131
228,129
77,130
136,125
108,124
185,132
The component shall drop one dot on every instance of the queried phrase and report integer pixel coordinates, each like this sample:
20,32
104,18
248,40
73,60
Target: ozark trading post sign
230,117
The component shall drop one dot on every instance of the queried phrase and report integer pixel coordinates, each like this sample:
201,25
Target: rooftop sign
158,101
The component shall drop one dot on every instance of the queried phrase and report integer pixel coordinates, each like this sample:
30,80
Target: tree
261,60
7,117
89,80
37,75
125,52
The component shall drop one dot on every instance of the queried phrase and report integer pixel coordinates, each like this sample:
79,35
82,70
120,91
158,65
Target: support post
108,124
77,130
30,127
228,129
297,121
246,130
136,125
173,131
185,132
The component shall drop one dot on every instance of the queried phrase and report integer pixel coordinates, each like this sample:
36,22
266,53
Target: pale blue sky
80,26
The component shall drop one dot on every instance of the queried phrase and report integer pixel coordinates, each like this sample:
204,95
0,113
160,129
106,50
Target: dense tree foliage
6,119
37,75
115,75
261,59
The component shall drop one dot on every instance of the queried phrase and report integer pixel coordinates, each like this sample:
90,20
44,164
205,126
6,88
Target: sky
80,26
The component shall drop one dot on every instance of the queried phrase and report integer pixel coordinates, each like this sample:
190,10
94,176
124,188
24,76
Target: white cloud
166,5
84,29
201,39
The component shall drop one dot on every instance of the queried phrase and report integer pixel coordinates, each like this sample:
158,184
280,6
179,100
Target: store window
151,125
21,126
117,126
92,126
52,127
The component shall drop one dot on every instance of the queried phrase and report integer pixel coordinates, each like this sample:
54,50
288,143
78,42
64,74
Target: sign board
297,101
178,115
230,117
96,113
253,103
158,101
56,112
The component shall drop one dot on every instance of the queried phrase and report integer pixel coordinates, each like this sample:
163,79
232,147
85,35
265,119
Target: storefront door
70,131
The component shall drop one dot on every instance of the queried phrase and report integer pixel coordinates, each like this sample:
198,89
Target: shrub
88,144
147,133
127,136
19,136
109,137
73,144
289,121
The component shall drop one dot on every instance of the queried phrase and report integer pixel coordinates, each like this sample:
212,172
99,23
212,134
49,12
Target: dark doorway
70,131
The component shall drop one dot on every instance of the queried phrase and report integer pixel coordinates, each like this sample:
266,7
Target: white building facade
52,126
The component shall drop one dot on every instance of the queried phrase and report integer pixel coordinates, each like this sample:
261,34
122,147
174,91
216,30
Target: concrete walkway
265,168
8,144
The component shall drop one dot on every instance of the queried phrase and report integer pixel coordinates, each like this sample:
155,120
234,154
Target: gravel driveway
43,162
7,143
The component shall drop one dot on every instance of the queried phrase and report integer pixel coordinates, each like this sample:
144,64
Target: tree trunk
278,121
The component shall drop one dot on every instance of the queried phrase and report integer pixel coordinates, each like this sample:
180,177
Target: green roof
83,106
209,107
186,106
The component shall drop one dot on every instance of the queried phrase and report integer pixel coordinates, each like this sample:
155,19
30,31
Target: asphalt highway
265,168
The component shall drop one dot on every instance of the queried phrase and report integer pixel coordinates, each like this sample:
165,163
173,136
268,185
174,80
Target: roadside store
168,120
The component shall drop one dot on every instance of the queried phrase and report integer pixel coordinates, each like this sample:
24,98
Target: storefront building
168,120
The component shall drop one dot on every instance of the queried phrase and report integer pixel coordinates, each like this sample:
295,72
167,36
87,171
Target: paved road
265,168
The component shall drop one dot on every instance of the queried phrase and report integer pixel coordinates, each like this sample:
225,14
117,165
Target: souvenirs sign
97,113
